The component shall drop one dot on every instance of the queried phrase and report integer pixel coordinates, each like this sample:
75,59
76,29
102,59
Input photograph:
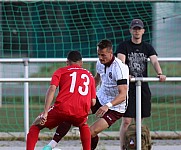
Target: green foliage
157,121
170,69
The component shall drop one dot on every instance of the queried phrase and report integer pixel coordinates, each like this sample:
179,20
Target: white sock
53,143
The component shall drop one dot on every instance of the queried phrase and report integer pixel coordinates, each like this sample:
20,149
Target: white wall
167,32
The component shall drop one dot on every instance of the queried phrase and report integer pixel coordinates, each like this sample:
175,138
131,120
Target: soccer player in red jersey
76,95
111,101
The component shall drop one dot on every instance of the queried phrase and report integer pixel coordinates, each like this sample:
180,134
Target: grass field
166,110
165,117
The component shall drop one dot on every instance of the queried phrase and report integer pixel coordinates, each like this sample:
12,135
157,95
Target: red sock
32,137
85,137
94,141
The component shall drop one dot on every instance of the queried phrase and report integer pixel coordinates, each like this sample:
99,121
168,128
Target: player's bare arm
122,94
122,57
157,68
93,102
48,101
118,99
42,118
97,79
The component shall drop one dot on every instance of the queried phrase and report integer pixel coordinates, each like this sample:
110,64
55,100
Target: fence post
1,85
1,52
138,114
26,99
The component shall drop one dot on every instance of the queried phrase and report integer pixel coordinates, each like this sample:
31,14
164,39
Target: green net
49,29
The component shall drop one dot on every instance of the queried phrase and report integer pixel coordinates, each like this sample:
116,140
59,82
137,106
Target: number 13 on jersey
81,87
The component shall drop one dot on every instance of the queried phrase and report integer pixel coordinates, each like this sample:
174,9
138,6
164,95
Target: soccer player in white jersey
111,102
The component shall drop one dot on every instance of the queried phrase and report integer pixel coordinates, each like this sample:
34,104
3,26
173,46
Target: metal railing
26,81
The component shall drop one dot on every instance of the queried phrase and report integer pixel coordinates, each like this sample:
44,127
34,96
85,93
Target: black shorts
110,116
145,101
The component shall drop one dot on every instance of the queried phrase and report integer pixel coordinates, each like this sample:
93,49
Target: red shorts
54,119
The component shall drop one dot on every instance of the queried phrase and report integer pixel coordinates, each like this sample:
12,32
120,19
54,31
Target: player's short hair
105,43
74,56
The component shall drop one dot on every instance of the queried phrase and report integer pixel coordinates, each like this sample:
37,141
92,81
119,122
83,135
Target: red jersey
76,89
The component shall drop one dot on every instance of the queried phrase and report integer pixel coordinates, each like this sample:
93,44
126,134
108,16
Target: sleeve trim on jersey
123,81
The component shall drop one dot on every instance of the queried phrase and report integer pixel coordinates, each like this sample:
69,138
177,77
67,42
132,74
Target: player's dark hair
105,43
74,56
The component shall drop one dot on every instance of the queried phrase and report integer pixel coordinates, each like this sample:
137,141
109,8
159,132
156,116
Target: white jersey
109,76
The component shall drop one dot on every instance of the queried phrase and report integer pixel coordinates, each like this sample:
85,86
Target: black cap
136,23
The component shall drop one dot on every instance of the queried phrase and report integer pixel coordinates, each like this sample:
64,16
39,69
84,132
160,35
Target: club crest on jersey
110,75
